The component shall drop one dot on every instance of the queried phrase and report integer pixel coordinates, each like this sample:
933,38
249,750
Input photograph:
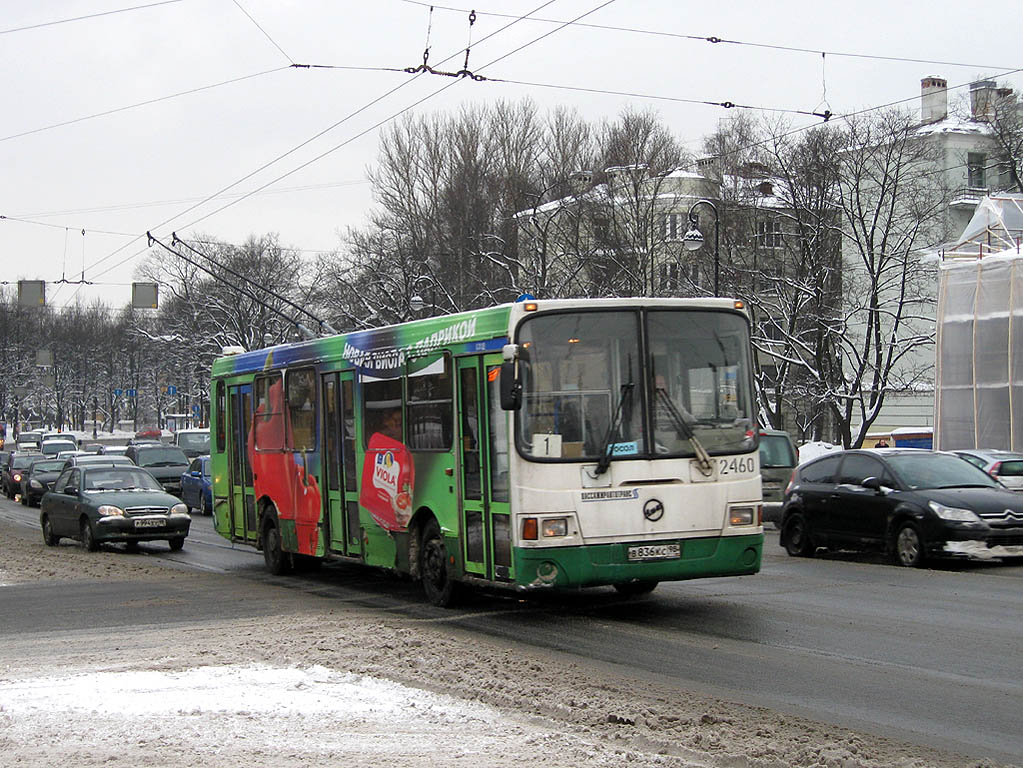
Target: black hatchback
912,503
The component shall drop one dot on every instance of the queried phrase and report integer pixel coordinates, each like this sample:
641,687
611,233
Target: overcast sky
164,166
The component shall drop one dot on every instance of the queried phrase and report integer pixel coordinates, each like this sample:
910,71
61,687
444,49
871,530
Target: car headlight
109,510
35,484
954,513
17,477
179,509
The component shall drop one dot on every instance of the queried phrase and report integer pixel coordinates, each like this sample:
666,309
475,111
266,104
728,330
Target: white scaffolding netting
997,225
979,365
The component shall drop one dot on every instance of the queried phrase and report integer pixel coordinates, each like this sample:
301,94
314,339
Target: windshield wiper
686,432
605,450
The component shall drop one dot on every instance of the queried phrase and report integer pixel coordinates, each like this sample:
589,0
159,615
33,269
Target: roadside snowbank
344,684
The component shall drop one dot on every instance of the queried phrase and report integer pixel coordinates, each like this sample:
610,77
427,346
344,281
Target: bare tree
892,202
1005,113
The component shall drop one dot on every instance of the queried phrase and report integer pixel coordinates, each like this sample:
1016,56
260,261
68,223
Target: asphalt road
929,656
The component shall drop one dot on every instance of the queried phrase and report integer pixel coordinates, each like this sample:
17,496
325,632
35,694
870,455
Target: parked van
777,460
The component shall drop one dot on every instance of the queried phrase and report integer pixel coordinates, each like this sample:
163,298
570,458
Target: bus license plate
149,523
655,552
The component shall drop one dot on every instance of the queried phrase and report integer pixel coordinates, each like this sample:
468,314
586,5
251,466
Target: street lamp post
693,239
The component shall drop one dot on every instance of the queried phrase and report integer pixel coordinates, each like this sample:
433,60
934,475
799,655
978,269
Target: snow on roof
681,173
954,125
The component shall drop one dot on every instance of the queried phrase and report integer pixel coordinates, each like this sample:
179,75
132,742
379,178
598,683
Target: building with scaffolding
979,360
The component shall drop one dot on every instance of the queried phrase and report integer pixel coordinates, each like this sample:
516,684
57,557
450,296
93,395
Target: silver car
1004,466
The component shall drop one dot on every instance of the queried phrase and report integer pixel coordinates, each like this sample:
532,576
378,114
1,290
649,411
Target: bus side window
430,404
302,409
221,419
268,417
382,402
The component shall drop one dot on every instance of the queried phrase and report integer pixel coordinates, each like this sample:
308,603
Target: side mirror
195,473
872,483
71,490
511,387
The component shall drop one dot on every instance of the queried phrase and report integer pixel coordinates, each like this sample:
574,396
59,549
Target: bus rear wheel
278,562
438,585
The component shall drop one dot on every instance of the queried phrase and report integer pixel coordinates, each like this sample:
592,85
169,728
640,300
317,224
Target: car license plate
655,552
149,523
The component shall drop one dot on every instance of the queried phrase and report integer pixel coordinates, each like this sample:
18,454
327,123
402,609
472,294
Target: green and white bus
544,444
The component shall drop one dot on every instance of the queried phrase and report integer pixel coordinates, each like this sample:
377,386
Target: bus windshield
593,382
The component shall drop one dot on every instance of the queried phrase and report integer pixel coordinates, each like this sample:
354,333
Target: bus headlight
555,526
742,516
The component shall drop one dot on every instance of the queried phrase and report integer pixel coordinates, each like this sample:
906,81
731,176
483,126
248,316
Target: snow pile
246,714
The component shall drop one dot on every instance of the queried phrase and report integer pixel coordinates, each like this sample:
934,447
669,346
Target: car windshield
194,440
161,457
21,462
119,479
54,447
776,451
49,465
938,470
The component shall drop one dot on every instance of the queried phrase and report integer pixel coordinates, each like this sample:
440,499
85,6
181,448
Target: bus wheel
636,587
278,562
433,567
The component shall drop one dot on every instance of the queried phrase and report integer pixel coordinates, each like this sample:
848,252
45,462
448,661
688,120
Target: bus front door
341,495
243,496
483,458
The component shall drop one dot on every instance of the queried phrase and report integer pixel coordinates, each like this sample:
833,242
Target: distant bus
533,446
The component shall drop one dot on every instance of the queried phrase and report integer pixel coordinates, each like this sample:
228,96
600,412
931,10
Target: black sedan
909,502
38,479
99,503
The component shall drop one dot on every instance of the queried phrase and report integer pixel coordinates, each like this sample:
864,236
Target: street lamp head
416,303
693,239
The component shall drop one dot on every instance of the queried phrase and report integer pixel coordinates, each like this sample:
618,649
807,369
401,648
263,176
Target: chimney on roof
982,100
933,99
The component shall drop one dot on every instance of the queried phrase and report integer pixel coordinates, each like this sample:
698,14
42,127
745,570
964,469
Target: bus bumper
603,564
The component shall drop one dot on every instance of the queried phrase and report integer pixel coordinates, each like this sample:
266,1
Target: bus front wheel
438,585
278,562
